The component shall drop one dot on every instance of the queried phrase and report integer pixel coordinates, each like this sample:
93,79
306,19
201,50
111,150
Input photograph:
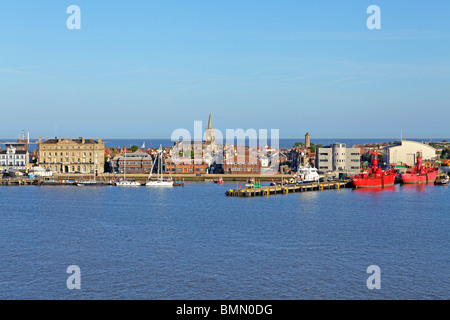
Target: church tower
210,135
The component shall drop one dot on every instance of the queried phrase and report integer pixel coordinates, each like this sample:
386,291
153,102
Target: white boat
90,183
160,181
124,182
307,174
443,181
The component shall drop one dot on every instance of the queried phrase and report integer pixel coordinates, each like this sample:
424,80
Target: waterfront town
63,158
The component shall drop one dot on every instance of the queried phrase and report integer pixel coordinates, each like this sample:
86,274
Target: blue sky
141,69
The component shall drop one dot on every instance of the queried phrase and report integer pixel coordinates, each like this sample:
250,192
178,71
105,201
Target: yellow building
71,155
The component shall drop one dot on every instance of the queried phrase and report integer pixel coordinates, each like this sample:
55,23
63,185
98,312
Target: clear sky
141,69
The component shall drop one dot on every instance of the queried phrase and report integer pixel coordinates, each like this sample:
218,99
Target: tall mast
160,163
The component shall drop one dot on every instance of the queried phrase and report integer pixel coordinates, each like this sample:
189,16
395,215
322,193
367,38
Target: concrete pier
19,182
285,189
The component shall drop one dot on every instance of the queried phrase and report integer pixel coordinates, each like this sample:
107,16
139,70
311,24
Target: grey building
338,158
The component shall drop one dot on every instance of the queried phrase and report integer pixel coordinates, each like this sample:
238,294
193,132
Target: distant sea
283,143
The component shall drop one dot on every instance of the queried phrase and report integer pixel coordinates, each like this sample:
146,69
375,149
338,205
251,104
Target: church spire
209,122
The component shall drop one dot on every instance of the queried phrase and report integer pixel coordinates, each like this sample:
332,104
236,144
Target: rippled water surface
196,243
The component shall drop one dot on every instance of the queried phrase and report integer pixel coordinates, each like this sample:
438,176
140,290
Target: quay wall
178,177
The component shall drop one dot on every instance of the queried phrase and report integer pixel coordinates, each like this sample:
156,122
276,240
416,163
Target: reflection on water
417,187
375,190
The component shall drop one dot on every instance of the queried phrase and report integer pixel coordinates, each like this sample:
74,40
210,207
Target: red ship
419,174
375,178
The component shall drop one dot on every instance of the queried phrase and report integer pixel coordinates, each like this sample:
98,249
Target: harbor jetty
286,189
19,182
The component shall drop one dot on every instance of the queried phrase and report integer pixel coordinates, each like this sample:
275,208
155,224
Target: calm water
195,243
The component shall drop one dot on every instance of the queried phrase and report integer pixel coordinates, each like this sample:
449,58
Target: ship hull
414,178
374,182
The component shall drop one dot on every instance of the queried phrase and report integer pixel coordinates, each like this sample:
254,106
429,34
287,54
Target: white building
338,158
40,172
405,152
13,159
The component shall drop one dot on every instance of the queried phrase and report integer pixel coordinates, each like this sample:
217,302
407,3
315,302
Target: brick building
241,161
176,167
138,163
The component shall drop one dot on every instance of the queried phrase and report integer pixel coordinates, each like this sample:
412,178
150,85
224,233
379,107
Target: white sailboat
124,182
93,182
159,182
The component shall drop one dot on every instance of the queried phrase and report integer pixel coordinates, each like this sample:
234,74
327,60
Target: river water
193,242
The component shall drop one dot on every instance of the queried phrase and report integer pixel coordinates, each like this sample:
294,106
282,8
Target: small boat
89,183
254,185
443,181
220,180
160,181
306,174
128,183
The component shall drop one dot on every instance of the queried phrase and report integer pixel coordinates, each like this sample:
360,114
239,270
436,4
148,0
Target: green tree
133,148
286,163
298,144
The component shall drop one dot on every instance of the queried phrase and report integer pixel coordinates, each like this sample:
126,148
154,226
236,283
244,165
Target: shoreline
178,177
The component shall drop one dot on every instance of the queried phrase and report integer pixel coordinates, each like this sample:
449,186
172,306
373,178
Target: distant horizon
281,138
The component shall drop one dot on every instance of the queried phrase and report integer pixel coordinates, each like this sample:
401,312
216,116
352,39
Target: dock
19,182
285,189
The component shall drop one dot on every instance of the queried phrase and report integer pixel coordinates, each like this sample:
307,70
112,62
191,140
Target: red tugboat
419,174
375,178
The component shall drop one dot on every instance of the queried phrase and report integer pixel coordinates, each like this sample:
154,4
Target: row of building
87,156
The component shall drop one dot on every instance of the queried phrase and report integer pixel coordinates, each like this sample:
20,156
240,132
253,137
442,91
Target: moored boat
219,181
128,183
375,178
420,174
306,174
90,183
160,181
443,181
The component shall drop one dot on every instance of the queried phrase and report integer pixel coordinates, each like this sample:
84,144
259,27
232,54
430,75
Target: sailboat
159,182
90,183
124,182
